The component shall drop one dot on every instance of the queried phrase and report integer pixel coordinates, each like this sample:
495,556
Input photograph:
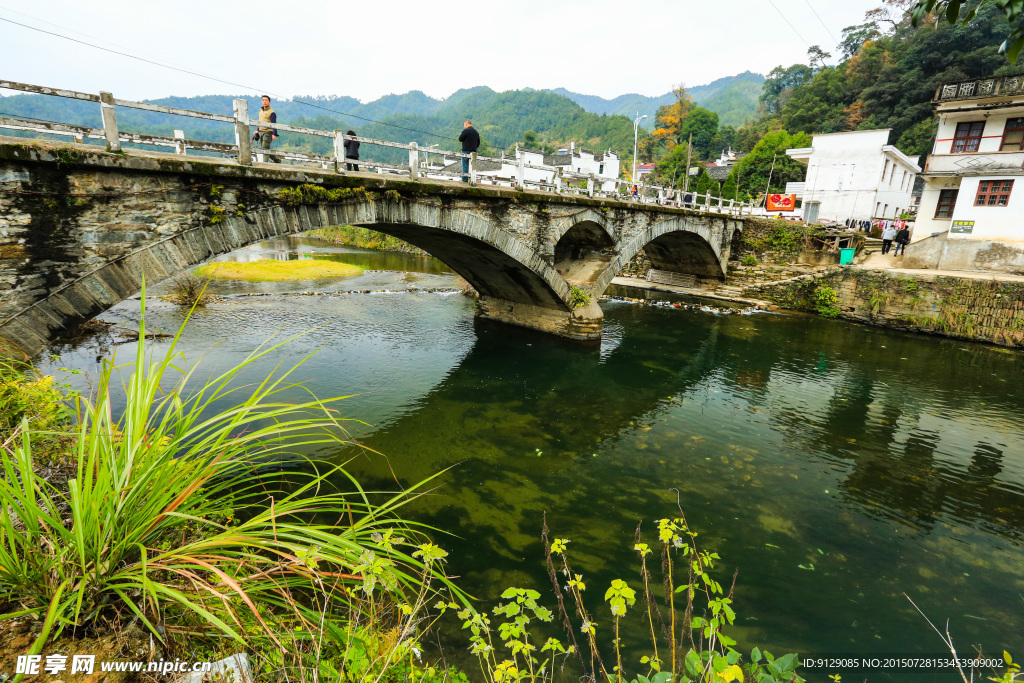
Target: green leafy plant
580,297
825,301
217,215
749,260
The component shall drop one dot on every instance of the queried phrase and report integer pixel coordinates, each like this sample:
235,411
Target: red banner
781,202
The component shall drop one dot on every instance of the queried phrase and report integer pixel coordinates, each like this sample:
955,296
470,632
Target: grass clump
175,520
190,291
580,296
270,270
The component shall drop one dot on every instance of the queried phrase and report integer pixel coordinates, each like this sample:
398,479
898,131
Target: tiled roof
719,173
481,165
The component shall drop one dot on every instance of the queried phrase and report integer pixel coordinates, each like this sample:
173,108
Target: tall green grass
170,521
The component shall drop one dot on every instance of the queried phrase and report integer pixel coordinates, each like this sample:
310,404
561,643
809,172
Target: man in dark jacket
351,152
902,240
470,140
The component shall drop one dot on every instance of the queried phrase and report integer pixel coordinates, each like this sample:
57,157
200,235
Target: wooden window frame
967,139
992,192
951,204
1019,125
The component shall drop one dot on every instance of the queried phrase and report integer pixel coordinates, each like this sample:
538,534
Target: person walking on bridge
470,140
267,133
351,152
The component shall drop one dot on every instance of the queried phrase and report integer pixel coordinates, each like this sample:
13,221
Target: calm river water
837,466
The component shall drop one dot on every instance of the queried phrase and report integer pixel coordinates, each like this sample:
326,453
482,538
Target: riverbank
365,238
972,306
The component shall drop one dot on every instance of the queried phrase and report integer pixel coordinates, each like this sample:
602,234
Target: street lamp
636,126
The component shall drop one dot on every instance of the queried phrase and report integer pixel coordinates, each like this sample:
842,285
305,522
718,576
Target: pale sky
369,49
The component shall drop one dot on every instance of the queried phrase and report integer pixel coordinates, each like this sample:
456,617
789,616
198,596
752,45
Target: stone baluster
339,150
242,137
179,147
472,168
109,116
414,160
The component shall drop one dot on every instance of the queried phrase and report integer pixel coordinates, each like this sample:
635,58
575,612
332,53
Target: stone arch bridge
80,228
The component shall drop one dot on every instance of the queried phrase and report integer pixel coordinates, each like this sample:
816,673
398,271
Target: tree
703,124
669,119
779,83
950,9
703,184
530,139
854,38
671,168
753,170
816,57
729,188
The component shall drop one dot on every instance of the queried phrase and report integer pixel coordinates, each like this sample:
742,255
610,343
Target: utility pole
636,125
689,151
770,171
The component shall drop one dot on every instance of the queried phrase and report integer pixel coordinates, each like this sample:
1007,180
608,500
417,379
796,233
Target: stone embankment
964,307
741,275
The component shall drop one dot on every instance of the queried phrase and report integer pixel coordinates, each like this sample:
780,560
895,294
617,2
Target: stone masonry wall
960,307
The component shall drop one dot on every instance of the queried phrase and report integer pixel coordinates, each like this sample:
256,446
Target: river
836,466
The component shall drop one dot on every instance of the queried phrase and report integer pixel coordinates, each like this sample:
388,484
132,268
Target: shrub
580,297
825,300
749,260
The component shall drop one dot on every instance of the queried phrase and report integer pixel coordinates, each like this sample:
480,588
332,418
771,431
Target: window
600,170
891,174
885,210
903,182
993,193
885,169
1013,136
968,136
878,208
947,200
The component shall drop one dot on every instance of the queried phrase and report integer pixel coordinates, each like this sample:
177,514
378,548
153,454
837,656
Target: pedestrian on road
887,236
267,133
351,152
470,140
902,240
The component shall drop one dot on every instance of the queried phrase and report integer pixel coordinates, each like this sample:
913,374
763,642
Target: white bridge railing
561,181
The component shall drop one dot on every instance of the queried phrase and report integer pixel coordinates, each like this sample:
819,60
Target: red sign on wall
781,202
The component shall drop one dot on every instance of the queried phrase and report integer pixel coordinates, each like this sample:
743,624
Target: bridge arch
499,265
679,244
584,246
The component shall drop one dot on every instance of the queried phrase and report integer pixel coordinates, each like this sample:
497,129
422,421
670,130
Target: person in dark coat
470,140
351,152
902,240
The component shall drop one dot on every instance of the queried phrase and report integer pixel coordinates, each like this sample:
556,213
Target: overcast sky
596,47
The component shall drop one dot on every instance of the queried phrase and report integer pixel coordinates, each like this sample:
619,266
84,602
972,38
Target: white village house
855,175
972,208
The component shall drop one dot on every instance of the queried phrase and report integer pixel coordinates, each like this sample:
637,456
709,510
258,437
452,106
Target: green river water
836,466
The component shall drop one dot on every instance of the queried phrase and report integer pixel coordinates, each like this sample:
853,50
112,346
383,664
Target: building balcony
975,164
980,88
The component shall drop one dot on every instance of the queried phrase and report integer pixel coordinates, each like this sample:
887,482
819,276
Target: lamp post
636,126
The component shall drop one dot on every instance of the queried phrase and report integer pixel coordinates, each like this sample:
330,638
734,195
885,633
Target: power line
220,80
821,22
790,25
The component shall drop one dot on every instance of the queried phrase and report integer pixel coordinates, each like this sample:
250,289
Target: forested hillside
733,98
886,77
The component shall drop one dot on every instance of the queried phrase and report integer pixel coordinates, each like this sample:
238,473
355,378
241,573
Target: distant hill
734,98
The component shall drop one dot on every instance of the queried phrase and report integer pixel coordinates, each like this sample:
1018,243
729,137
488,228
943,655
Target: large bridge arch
496,263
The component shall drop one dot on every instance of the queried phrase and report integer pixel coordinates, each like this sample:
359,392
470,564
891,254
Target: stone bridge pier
80,228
